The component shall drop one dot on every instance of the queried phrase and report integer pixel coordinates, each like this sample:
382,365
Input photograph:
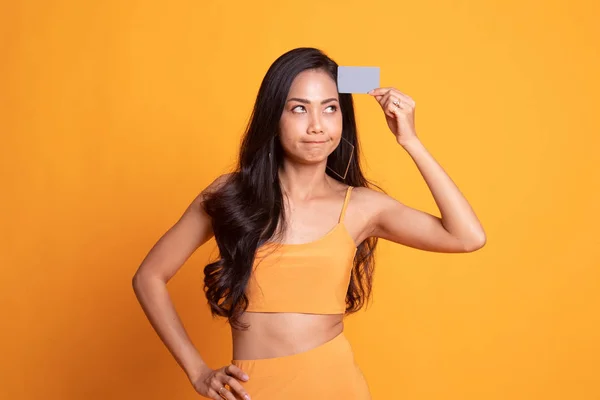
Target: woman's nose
315,125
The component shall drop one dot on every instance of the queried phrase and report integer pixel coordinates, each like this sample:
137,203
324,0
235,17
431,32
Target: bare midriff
282,334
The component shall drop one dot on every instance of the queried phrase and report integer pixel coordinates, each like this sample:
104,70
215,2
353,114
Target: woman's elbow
474,245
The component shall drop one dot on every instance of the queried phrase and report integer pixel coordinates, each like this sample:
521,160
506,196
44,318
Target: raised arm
392,220
458,229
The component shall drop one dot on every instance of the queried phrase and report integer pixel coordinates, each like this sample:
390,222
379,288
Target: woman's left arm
458,230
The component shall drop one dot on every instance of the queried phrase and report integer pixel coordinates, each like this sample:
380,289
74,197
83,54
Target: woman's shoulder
366,193
219,182
215,186
368,200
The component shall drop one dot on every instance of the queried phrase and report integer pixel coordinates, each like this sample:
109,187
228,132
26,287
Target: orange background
114,115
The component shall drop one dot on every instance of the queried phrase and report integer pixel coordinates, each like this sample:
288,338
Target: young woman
296,225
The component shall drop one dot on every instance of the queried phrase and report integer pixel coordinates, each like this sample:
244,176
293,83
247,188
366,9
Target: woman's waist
272,335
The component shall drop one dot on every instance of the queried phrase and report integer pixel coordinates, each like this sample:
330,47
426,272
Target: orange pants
328,371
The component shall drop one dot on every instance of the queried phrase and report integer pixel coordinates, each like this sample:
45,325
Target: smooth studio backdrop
114,115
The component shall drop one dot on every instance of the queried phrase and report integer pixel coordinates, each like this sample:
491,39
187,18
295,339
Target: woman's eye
295,109
302,109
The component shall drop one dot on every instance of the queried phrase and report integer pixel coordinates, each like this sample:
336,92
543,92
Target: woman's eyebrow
306,101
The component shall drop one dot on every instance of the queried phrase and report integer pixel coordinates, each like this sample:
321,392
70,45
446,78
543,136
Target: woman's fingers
392,101
380,93
234,389
219,391
384,97
236,371
391,109
224,392
390,104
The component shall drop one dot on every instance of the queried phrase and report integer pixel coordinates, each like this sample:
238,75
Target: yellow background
114,115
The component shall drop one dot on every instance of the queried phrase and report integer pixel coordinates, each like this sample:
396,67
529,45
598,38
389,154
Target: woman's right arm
166,257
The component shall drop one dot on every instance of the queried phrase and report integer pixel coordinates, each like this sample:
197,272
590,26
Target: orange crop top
308,277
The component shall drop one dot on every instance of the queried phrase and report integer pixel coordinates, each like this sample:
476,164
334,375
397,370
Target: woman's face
310,127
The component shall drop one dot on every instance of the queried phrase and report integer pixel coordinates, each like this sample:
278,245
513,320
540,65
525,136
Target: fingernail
246,377
247,397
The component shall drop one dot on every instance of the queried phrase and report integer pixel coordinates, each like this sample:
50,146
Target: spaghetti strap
343,213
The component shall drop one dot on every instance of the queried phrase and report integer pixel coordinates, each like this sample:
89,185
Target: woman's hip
324,372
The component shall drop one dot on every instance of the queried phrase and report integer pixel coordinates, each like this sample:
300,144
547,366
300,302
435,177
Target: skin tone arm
150,286
458,230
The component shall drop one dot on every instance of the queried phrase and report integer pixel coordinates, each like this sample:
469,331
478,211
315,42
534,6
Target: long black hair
248,207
